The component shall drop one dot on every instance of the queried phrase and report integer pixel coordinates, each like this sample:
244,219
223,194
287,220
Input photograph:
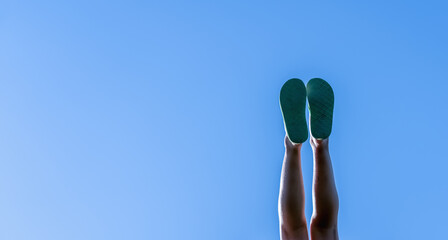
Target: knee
324,222
297,232
319,232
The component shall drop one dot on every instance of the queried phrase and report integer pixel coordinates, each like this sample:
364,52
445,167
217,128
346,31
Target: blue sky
160,119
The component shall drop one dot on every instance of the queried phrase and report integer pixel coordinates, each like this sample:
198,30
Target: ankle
319,144
293,148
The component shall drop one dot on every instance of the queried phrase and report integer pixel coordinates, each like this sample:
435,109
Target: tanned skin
291,203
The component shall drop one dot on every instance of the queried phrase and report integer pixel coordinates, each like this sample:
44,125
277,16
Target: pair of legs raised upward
291,204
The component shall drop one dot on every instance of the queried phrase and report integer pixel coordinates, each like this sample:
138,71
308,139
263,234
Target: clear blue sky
160,119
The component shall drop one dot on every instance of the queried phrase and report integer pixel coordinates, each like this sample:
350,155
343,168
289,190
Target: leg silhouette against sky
325,197
291,203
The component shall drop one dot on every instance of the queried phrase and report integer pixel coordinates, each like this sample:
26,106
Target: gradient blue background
160,119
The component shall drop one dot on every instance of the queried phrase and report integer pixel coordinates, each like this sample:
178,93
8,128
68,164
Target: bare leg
291,202
325,197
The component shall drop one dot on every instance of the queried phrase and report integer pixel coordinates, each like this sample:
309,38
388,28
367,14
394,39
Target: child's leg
325,197
291,202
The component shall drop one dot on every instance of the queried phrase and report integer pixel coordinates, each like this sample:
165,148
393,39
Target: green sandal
293,104
320,104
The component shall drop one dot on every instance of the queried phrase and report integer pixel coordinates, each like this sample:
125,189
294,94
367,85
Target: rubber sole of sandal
321,105
293,105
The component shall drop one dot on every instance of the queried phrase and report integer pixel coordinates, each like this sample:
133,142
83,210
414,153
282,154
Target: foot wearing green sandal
293,104
320,104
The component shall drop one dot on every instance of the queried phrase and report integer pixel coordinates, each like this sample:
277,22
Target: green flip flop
320,104
293,104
